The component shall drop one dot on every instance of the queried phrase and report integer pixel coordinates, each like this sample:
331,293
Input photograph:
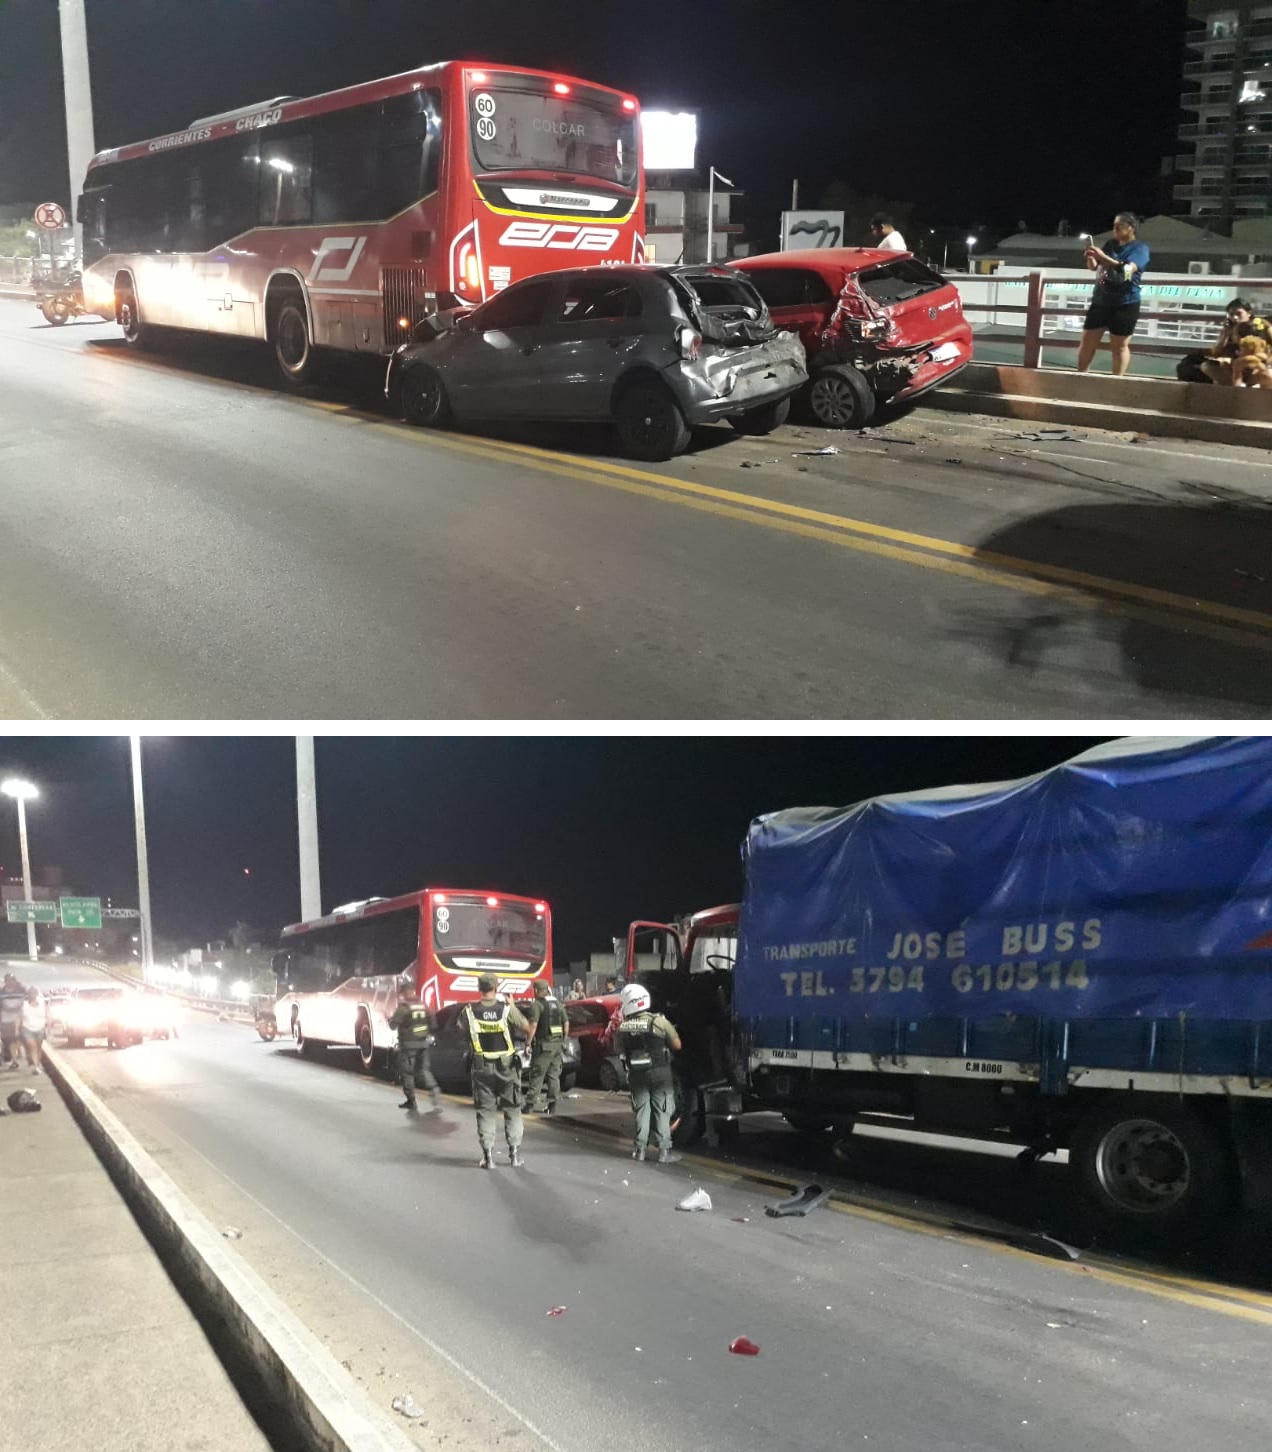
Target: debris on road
408,1407
743,1346
816,453
555,1311
1052,436
232,1232
697,1200
574,1096
23,1101
1070,1250
806,1198
741,1219
1249,575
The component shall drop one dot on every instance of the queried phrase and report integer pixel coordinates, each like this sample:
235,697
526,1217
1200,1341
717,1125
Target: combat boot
437,1101
639,1152
515,1158
668,1157
487,1161
408,1104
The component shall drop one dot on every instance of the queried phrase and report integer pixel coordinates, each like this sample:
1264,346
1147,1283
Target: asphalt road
385,1233
183,541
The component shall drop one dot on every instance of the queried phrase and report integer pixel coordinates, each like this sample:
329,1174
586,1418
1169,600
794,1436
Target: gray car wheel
840,398
650,424
424,400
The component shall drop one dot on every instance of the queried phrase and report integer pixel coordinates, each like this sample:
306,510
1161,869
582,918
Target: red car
599,1068
878,327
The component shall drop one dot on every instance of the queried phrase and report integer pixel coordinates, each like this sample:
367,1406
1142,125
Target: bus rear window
523,131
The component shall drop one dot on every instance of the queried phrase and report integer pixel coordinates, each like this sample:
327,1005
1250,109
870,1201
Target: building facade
1225,158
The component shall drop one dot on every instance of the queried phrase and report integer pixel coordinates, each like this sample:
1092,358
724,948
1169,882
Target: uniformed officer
552,1028
496,1075
646,1042
415,1025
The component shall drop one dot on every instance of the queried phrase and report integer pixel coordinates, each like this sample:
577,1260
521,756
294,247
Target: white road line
326,1259
7,678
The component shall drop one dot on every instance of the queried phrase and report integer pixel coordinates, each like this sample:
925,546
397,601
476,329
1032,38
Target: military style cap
542,988
487,983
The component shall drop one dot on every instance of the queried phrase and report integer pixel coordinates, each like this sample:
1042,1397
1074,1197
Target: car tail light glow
560,88
492,902
689,342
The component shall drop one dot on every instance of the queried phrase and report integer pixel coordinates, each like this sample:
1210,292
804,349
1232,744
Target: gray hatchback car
654,349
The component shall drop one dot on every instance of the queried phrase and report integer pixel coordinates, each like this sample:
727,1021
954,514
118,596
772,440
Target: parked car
451,1048
656,350
111,1012
879,327
599,1066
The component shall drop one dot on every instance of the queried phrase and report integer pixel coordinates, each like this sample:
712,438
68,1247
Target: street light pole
78,93
307,819
21,792
143,864
711,212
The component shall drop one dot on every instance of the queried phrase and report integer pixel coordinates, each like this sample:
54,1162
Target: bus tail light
479,76
439,897
404,322
541,908
560,88
629,104
472,269
492,902
689,342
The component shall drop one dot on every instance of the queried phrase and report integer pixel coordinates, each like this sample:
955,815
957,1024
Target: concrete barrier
329,1409
1157,406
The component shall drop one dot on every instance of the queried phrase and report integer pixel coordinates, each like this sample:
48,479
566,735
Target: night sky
979,111
605,829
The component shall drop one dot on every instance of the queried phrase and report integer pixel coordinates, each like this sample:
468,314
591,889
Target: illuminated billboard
670,139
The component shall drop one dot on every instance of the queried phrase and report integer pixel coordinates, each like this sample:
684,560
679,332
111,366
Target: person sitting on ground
1214,364
1250,368
34,1022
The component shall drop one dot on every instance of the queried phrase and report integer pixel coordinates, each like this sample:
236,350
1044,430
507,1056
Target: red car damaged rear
878,327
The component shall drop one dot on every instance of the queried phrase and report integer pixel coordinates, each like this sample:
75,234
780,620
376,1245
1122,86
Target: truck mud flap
805,1199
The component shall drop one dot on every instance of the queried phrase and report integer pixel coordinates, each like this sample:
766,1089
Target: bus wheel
135,333
1157,1166
366,1045
424,401
293,350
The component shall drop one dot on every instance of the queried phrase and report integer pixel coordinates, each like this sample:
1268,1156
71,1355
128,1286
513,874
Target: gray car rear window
894,282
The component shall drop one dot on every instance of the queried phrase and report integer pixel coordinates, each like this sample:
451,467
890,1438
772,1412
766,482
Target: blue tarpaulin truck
1081,959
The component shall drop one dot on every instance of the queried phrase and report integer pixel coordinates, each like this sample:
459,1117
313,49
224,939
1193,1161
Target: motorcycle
62,298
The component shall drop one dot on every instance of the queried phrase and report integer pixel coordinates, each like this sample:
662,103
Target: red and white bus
341,220
338,975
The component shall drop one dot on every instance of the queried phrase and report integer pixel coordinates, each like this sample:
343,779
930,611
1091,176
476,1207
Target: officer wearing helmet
494,1070
547,1051
415,1026
646,1041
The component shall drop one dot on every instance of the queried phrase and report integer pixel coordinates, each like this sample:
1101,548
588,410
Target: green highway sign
32,912
81,912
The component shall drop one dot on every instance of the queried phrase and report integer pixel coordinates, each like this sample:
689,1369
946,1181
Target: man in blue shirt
1115,298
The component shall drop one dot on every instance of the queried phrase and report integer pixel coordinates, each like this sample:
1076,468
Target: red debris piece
744,1346
741,1220
556,1311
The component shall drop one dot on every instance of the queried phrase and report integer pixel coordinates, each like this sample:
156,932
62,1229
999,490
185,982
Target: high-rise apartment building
1226,138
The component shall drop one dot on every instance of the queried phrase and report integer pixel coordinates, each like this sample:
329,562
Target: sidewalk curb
329,1408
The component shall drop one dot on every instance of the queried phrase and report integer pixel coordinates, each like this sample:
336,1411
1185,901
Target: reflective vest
551,1028
640,1046
416,1028
488,1030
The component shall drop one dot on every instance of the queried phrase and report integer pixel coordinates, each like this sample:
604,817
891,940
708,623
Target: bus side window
411,149
286,194
347,166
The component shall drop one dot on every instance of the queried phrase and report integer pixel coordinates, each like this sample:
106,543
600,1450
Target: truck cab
688,968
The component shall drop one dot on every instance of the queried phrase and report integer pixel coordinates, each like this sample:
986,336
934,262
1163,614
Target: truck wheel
650,424
310,1048
808,1123
610,1079
136,334
840,398
763,420
1158,1166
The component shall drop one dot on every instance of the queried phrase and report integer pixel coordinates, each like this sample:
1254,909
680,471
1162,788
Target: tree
14,241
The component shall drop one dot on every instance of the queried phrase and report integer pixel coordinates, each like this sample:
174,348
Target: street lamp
711,181
22,792
971,243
